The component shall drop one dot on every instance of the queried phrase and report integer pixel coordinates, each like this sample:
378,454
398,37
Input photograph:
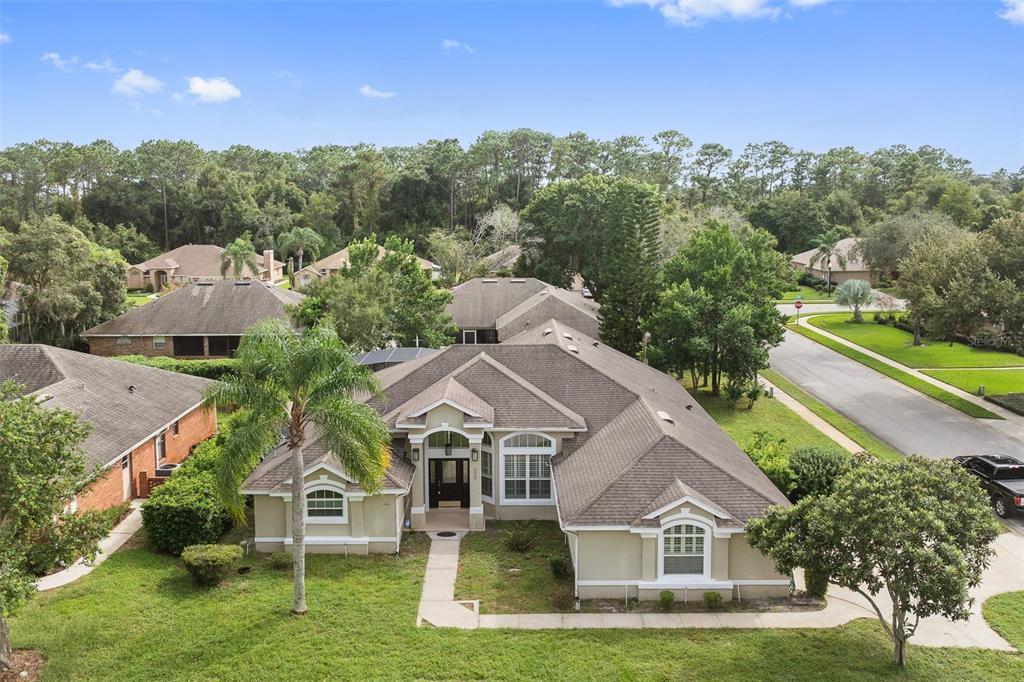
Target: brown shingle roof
854,263
97,389
198,261
339,260
225,308
511,304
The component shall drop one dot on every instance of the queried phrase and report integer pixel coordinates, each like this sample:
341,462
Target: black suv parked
1002,477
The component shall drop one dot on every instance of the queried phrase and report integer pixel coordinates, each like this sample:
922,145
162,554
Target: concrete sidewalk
814,420
439,608
108,545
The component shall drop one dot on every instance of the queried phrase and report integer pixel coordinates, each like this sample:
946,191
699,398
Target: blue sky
813,73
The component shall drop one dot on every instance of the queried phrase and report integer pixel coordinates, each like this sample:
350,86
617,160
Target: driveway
909,421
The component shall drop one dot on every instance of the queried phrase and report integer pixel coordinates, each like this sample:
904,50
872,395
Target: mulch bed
26,665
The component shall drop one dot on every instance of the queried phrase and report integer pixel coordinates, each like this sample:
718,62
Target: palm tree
237,255
300,240
855,293
298,384
826,246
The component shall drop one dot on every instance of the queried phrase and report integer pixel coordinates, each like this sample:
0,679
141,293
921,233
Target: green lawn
898,345
996,381
138,618
916,383
513,582
767,415
847,427
806,294
139,299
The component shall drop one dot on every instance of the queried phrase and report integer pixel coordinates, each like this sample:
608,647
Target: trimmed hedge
184,511
209,564
208,369
816,469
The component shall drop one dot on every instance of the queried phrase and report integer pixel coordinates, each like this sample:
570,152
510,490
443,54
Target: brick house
141,418
201,320
196,263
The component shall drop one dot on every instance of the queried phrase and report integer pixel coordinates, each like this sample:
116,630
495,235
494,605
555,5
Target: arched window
325,504
684,547
526,470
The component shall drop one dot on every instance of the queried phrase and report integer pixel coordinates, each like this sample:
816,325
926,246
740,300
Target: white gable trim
445,401
687,499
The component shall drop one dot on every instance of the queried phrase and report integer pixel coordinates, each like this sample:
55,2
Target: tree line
174,192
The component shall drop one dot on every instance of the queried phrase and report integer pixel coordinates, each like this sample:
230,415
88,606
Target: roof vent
204,284
567,335
243,283
547,331
518,281
689,407
596,344
131,388
573,349
490,281
665,416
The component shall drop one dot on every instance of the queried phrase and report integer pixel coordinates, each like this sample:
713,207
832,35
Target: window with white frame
527,466
486,473
683,549
440,439
325,504
159,342
161,447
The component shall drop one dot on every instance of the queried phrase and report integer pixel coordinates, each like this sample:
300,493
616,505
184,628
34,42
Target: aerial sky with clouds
812,73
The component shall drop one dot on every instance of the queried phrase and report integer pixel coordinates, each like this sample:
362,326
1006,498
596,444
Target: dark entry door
449,482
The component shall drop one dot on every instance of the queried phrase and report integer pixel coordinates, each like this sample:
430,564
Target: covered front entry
449,482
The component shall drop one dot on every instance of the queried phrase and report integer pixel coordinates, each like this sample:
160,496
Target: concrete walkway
814,420
108,545
439,608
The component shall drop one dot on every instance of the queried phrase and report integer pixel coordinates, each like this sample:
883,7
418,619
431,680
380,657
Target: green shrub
519,537
50,551
561,567
767,453
816,468
815,583
733,391
666,599
184,511
753,393
209,564
208,369
281,560
712,600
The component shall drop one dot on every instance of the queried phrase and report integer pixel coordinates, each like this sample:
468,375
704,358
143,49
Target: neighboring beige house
340,261
502,261
201,320
855,267
492,309
196,263
650,493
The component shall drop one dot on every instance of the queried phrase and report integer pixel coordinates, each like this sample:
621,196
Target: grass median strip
995,381
848,428
930,390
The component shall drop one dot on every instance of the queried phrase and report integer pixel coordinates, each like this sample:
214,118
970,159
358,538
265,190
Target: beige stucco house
550,424
196,263
853,266
339,260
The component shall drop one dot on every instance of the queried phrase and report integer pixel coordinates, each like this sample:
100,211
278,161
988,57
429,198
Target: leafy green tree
716,314
299,241
295,383
793,217
855,293
168,165
41,469
68,284
960,202
918,531
885,243
237,256
706,167
633,276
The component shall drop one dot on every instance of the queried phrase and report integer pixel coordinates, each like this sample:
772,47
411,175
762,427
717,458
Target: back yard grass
137,617
898,345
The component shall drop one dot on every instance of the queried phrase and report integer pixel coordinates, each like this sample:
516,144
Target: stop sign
798,305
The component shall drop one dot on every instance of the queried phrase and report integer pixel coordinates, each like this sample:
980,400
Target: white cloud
1013,11
449,44
696,12
134,83
105,65
213,90
5,38
373,93
58,61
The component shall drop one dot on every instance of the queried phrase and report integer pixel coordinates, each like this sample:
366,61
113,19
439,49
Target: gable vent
665,416
573,349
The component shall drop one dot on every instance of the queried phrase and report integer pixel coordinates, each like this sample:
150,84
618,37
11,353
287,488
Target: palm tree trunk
5,645
300,259
298,531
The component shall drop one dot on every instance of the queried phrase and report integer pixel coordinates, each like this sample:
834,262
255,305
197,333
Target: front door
449,482
126,477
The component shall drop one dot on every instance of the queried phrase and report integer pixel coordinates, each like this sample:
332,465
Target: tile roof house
854,268
339,260
550,424
196,263
143,420
493,309
201,320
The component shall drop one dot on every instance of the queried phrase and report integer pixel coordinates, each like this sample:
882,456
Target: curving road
909,421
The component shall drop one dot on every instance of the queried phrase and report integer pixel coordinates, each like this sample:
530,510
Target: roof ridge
532,388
